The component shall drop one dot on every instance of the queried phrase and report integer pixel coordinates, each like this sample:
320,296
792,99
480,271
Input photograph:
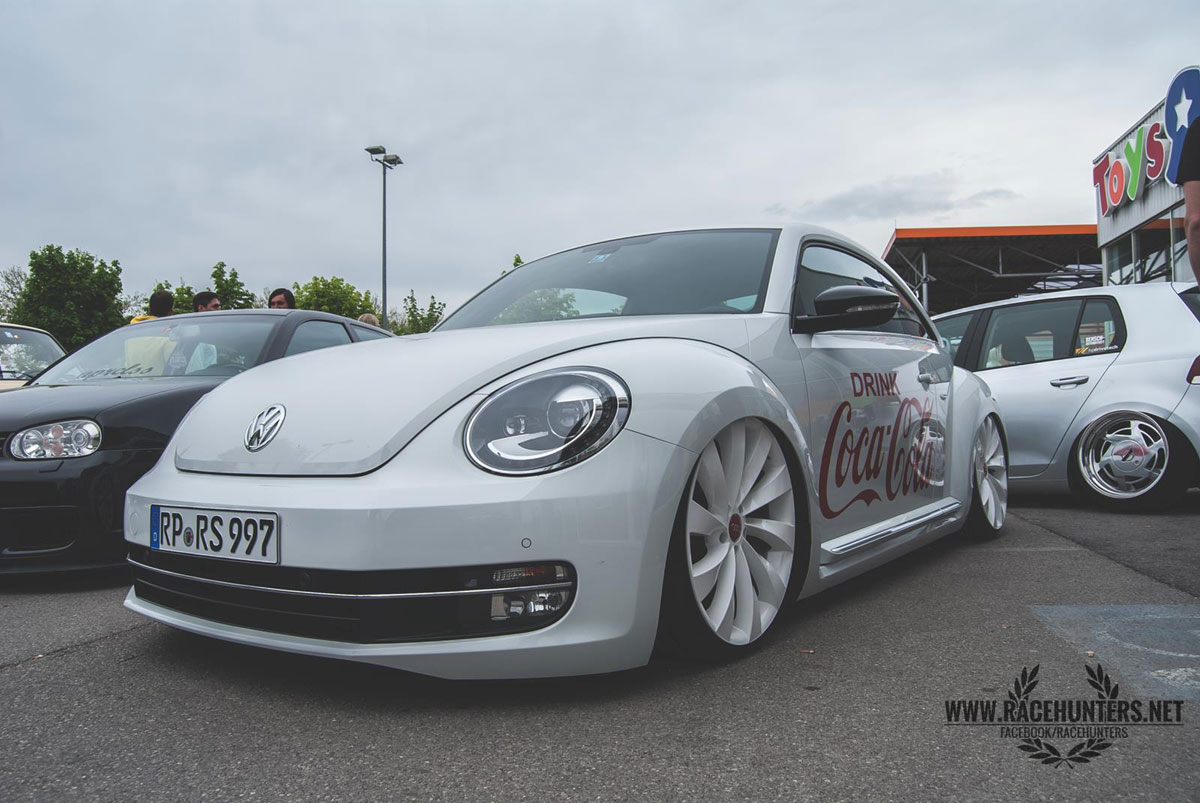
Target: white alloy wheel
1123,455
740,531
990,473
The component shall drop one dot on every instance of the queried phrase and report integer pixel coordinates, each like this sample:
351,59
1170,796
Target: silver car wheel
991,473
1123,455
741,531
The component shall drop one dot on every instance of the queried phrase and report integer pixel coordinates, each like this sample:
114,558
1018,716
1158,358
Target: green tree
12,282
183,296
334,295
72,295
416,320
230,290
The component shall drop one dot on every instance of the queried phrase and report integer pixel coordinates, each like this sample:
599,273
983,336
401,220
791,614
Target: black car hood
43,404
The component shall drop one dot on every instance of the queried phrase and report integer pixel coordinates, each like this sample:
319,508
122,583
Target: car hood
43,404
349,409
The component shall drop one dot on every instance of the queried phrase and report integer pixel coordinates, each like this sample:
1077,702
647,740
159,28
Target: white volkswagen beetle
659,438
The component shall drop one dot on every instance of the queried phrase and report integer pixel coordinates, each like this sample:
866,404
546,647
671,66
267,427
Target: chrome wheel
1123,455
991,473
741,531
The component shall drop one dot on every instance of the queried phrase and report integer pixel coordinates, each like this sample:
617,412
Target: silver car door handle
1069,381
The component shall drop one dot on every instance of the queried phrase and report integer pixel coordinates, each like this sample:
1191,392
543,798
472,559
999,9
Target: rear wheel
989,481
734,550
1133,461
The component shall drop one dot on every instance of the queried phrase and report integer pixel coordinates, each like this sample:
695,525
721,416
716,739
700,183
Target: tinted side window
1100,329
312,335
368,334
954,329
822,268
1025,333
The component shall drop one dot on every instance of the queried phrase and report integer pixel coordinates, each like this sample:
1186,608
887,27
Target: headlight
56,441
547,421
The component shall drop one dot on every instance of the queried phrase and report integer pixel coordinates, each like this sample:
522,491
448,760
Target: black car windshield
24,353
206,345
679,273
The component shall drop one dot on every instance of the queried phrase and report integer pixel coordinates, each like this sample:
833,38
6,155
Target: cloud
893,197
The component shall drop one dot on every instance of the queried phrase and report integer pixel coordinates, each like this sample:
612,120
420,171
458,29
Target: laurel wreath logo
1047,752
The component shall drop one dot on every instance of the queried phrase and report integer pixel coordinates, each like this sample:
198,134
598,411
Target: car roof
1117,291
8,325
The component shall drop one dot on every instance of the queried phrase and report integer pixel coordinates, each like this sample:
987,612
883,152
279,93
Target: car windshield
679,273
25,353
207,345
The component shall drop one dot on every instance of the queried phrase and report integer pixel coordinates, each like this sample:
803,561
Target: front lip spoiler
337,595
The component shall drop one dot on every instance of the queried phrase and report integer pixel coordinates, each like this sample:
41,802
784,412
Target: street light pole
387,161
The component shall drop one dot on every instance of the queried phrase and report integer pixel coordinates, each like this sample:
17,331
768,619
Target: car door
957,331
1042,359
878,400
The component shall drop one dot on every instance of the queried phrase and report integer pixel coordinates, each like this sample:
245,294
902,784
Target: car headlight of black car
56,441
547,421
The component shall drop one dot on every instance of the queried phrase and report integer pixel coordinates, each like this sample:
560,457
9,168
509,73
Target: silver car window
822,268
1027,333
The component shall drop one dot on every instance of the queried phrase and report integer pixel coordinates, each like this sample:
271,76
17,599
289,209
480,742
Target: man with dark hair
281,298
162,304
206,301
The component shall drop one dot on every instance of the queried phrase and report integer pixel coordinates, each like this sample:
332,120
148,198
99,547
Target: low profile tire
1132,461
734,554
989,482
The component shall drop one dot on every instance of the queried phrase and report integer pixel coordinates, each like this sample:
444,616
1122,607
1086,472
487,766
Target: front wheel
733,554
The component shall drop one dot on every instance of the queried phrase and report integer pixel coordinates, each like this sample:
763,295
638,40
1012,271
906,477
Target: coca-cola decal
905,454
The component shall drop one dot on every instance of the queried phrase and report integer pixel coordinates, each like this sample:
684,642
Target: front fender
686,391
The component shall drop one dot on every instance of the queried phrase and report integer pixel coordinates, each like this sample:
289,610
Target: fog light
529,604
541,573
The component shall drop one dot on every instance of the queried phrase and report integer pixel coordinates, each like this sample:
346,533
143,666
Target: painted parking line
1155,648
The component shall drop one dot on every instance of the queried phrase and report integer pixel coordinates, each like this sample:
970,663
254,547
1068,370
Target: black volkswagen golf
80,434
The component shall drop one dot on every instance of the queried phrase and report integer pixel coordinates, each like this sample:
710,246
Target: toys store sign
1122,174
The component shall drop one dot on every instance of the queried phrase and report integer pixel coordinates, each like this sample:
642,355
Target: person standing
162,304
281,298
206,301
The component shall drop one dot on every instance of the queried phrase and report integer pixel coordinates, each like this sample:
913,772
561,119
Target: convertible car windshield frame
722,271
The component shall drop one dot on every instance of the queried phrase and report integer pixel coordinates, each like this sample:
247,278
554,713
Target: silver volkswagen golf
1099,388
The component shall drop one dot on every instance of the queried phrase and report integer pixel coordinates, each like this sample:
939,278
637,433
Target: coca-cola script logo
854,457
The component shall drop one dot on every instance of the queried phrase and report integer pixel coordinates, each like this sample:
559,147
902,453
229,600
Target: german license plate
230,534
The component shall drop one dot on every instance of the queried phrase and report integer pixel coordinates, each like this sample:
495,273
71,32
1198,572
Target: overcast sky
171,135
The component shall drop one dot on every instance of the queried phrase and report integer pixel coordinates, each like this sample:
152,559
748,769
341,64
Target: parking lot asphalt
846,702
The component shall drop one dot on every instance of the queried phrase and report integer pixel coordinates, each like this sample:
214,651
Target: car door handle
1069,381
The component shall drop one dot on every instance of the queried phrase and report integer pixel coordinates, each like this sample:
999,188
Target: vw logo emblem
264,427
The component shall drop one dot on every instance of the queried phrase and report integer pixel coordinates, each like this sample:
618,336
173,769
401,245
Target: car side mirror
847,307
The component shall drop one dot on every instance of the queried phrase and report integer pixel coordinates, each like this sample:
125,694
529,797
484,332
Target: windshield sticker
1095,340
599,258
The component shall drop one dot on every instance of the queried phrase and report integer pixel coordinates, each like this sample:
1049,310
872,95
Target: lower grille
448,612
33,530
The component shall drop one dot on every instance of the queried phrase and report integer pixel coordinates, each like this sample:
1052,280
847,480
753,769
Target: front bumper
66,514
430,511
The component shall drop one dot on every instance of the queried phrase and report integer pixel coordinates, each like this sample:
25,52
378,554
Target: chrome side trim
839,551
336,595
